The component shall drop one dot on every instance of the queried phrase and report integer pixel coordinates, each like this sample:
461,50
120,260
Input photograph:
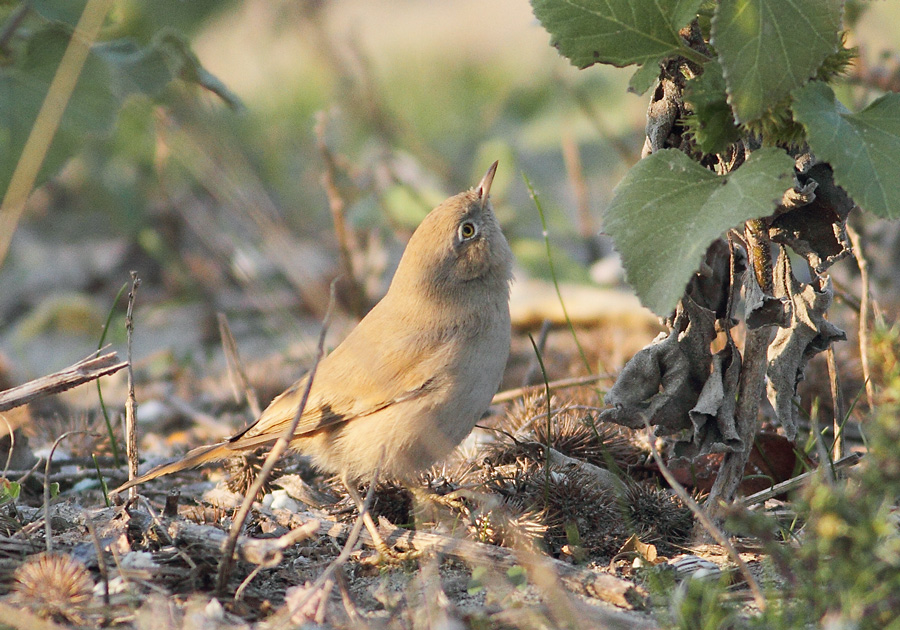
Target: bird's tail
193,458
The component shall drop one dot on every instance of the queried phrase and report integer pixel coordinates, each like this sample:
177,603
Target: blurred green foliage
115,69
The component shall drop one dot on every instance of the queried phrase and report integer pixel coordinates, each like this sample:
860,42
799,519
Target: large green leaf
713,121
67,11
863,148
769,47
617,32
112,72
668,209
91,110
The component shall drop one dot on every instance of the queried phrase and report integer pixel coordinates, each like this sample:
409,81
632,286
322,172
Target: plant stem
750,392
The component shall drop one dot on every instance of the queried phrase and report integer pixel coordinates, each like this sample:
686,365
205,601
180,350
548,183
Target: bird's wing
359,378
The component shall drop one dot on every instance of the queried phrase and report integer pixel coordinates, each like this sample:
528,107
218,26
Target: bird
410,381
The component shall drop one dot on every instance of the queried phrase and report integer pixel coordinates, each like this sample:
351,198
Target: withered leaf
712,418
817,229
807,334
662,382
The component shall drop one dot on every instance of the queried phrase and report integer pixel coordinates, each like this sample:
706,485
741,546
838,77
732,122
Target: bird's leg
380,545
386,554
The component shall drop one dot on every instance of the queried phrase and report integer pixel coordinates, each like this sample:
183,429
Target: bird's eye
467,230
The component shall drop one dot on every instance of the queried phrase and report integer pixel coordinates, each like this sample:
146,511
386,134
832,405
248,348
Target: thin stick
238,376
130,403
239,593
865,298
349,607
85,371
101,561
563,383
164,534
346,243
707,522
786,486
47,121
352,538
281,445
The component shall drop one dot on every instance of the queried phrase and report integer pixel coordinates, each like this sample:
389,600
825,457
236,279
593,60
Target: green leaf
769,47
668,209
68,11
644,77
617,32
518,576
91,110
9,491
862,148
188,67
476,582
135,69
713,123
112,72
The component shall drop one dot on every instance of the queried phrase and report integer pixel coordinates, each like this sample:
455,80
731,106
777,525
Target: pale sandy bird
411,380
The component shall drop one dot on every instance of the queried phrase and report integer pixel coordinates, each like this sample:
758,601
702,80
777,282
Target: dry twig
865,299
580,580
347,245
707,523
277,451
794,482
85,371
352,538
130,402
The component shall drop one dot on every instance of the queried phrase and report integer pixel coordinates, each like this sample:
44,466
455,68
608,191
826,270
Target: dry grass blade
84,371
238,376
48,118
578,381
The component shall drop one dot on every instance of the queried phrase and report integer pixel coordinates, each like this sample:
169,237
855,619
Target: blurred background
369,110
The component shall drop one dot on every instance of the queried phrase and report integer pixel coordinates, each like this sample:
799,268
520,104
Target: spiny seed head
54,586
392,501
510,525
577,434
658,514
573,503
526,409
242,472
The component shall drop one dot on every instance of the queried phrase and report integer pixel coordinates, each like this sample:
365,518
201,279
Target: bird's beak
484,188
